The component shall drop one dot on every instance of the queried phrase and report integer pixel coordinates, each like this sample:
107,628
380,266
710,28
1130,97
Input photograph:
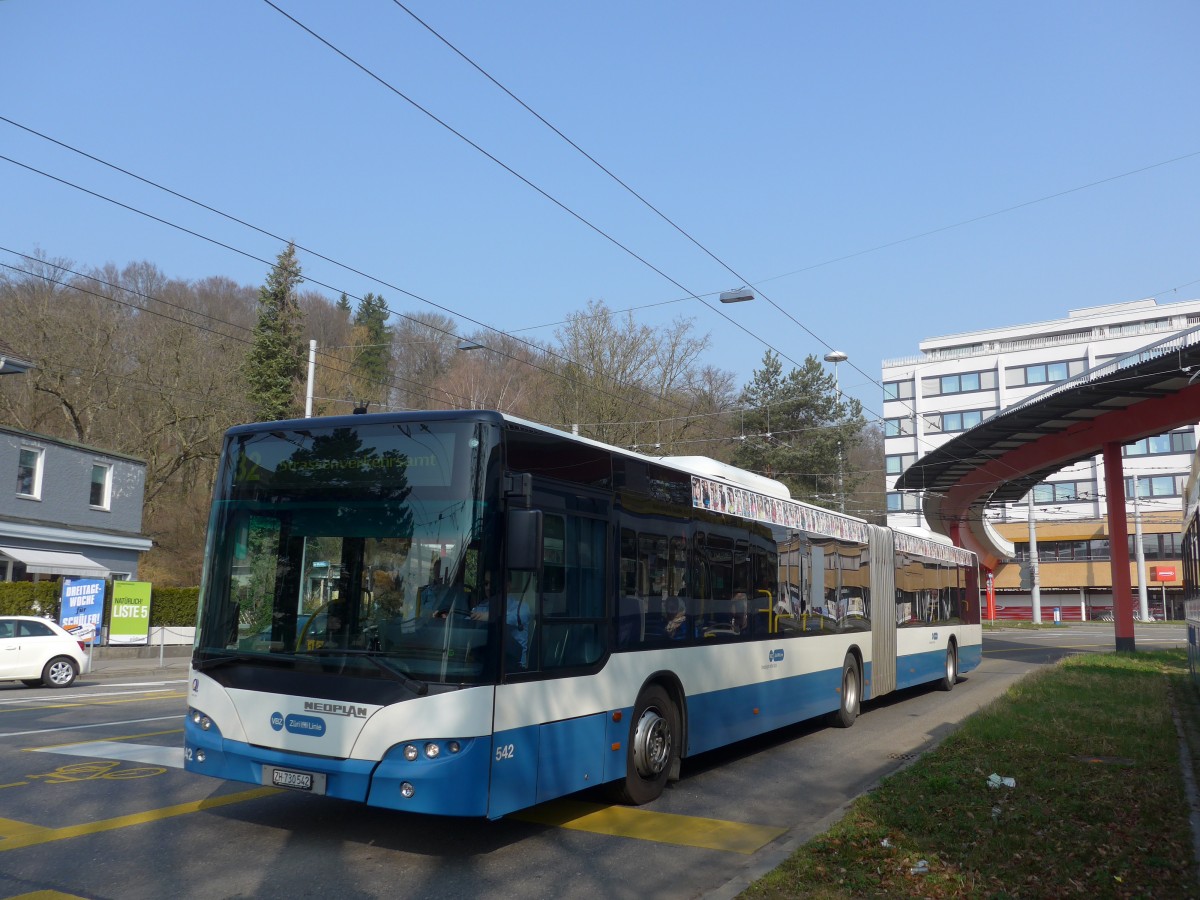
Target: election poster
129,623
82,608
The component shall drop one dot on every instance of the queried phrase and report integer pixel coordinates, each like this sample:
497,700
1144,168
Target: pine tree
275,362
799,430
373,352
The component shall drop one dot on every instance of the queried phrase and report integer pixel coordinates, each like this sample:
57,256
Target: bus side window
574,615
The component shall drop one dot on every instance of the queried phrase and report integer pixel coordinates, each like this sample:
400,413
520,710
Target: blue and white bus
465,613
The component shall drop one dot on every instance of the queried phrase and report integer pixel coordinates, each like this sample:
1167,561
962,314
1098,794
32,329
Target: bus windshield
364,550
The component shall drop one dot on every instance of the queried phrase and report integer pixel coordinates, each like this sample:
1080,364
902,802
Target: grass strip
1098,809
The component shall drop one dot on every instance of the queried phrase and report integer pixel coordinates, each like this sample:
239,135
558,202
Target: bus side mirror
524,539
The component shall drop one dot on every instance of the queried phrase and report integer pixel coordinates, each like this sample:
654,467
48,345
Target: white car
38,651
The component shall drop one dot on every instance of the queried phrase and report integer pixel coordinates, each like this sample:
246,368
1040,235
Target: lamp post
312,371
835,357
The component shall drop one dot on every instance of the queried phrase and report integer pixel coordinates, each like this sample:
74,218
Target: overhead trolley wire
725,265
311,280
136,293
577,216
606,171
536,347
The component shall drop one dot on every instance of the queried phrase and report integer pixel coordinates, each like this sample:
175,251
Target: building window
1156,486
1064,492
897,463
897,427
958,383
1157,546
956,421
29,473
901,501
1174,442
898,390
1044,373
101,492
1064,551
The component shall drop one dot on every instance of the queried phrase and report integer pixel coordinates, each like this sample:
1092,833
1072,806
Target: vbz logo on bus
775,656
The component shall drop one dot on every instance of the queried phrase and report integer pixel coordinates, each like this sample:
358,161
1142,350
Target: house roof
11,363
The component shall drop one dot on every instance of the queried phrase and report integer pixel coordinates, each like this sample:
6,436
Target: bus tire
652,751
950,675
851,693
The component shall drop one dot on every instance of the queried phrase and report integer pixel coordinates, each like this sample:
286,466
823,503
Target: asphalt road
94,803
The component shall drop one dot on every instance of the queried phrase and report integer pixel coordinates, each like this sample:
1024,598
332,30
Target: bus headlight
432,750
453,746
411,752
199,718
407,790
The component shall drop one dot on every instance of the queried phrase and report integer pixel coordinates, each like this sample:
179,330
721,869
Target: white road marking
122,750
122,723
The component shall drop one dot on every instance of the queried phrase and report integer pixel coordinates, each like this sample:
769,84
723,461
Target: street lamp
737,295
835,357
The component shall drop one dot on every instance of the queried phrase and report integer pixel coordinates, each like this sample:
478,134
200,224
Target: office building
960,380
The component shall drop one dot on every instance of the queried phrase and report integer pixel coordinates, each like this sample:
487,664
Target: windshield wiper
420,688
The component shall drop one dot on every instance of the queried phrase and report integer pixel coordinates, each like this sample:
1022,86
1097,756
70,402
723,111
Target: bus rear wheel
950,676
651,750
851,693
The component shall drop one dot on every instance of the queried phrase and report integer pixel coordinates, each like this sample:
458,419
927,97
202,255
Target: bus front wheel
652,748
851,693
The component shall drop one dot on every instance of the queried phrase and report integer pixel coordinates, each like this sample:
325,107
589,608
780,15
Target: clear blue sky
782,136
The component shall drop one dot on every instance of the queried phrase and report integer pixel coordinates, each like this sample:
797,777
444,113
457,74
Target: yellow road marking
11,829
16,835
46,895
647,825
177,695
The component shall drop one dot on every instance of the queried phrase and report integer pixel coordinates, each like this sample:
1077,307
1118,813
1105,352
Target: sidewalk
139,661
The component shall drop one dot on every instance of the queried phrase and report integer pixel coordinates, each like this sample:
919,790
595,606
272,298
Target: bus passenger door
883,612
516,715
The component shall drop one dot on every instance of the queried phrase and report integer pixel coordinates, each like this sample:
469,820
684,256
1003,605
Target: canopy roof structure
1140,394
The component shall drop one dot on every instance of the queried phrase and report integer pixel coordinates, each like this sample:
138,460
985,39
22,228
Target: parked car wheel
60,672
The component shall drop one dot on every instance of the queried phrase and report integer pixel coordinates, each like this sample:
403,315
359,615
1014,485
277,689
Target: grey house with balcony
67,509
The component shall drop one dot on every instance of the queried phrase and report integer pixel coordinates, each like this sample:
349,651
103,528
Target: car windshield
357,550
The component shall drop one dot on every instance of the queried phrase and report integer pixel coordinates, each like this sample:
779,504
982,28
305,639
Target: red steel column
1118,545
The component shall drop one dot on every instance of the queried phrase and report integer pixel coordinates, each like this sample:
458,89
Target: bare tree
424,345
132,361
627,383
501,373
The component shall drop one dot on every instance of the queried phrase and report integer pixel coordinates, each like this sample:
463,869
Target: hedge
170,607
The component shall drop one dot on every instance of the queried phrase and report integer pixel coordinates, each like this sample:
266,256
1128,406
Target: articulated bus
465,613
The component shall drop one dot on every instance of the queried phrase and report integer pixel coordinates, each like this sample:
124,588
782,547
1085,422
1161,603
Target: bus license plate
312,782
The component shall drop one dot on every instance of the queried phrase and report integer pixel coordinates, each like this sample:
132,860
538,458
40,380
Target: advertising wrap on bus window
82,608
130,620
